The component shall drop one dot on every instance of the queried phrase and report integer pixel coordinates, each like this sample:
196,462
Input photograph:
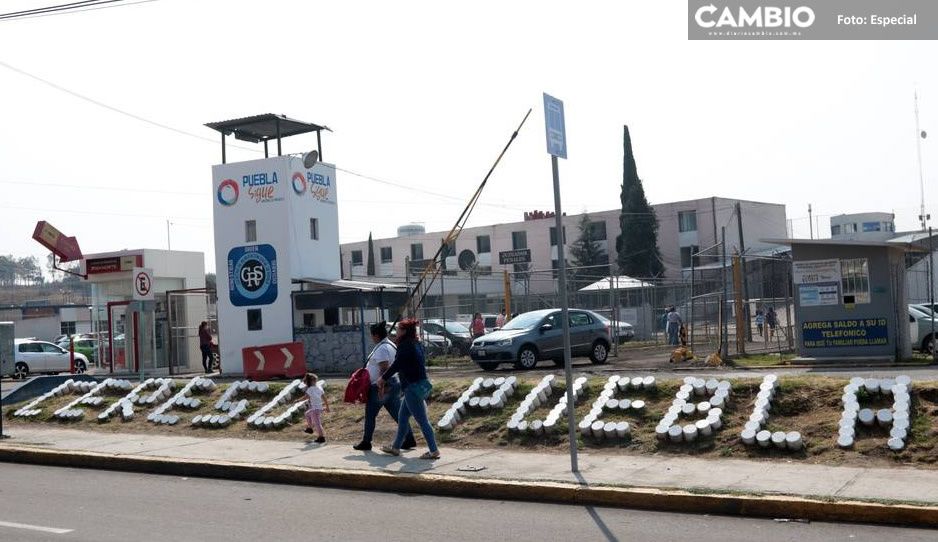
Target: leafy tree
371,257
637,244
586,251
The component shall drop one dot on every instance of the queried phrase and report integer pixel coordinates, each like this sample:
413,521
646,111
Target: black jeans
206,356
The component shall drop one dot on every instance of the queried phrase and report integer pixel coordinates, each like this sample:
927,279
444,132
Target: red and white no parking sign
143,284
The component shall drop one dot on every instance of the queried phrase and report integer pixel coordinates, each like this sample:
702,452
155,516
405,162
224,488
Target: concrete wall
888,300
334,349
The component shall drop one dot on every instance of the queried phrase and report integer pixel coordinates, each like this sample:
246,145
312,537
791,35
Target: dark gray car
538,335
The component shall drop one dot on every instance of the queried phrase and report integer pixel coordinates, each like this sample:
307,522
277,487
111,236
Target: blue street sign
554,125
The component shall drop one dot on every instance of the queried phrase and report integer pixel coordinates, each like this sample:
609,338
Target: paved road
47,503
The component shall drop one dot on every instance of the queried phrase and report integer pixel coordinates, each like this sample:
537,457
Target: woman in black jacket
410,365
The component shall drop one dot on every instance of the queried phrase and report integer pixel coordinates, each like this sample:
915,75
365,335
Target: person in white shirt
381,357
317,404
500,319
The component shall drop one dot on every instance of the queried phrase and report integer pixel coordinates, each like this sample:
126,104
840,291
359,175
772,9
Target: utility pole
810,221
931,293
725,323
742,256
919,136
168,246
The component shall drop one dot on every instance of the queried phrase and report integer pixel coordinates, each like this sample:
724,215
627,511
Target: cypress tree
371,257
585,252
637,244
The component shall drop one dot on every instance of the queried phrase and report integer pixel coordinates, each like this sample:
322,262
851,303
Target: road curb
766,506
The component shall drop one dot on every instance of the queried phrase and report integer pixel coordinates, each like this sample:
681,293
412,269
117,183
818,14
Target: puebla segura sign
696,412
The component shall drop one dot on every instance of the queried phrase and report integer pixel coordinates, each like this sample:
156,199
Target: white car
34,356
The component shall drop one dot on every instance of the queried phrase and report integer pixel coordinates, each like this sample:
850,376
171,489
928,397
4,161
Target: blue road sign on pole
553,123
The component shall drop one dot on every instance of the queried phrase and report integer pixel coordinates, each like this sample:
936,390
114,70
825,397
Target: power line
51,8
96,212
92,6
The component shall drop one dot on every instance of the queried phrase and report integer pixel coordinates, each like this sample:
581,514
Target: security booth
275,221
134,335
850,299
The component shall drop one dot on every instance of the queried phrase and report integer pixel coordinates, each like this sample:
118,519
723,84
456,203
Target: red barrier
274,360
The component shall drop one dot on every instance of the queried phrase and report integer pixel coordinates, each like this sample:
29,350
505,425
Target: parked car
538,335
459,335
920,328
433,344
626,331
86,347
43,357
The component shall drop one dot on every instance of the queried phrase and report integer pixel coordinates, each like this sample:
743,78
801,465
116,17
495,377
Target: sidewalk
773,489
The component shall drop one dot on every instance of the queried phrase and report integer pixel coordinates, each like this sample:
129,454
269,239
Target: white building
684,228
112,291
863,227
276,222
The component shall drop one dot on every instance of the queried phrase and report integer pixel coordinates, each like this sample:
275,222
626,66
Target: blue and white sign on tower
252,275
553,122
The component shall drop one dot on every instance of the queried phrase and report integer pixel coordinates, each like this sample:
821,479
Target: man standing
674,325
379,360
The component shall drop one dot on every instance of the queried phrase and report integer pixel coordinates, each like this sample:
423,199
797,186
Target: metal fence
706,301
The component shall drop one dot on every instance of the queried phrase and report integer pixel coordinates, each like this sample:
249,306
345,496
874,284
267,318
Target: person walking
674,325
205,346
771,320
478,325
381,357
316,405
410,363
760,320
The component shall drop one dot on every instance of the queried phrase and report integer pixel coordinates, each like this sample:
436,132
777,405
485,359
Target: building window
386,256
255,322
687,221
835,230
871,226
483,244
314,229
850,228
309,319
67,328
519,239
687,253
250,231
553,236
855,280
416,251
598,231
356,257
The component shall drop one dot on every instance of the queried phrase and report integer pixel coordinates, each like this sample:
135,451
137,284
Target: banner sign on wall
836,333
252,275
816,271
815,295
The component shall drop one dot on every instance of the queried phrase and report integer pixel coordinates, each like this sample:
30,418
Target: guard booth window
855,280
314,229
255,322
250,231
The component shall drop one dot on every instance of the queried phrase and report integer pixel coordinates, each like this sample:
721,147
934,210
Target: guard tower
276,221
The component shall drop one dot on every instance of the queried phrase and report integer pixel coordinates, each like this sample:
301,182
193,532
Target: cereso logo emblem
758,17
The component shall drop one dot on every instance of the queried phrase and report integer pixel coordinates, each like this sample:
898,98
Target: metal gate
185,310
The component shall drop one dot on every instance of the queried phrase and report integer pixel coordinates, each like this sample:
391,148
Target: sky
421,98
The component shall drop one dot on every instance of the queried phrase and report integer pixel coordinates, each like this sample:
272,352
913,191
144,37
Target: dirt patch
808,404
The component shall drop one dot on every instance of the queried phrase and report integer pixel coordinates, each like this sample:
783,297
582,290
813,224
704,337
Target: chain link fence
706,299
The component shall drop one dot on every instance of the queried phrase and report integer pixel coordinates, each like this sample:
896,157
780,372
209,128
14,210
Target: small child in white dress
317,405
